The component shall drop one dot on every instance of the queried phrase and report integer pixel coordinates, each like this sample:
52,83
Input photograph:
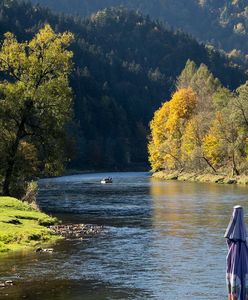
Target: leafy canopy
35,104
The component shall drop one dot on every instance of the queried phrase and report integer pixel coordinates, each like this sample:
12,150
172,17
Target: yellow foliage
155,157
158,123
201,127
166,129
183,103
212,148
182,106
171,153
189,139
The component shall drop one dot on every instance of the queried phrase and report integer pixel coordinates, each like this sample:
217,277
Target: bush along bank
201,177
22,227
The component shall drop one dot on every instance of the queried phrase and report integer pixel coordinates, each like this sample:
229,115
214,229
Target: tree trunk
7,178
234,167
209,164
12,155
11,160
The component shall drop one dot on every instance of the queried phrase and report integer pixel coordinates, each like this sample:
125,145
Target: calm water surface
161,240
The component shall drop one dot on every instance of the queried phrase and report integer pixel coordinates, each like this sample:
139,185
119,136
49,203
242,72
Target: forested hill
125,66
222,23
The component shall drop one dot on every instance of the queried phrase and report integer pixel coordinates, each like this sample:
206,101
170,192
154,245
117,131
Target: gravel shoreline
76,231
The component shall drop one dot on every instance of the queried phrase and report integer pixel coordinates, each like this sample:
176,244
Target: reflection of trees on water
188,208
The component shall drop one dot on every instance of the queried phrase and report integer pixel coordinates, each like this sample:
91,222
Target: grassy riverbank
23,227
196,177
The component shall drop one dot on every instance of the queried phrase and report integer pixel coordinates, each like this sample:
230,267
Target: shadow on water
68,289
161,240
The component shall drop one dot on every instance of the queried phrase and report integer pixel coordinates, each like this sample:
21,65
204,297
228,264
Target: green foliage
221,98
35,104
185,79
22,227
213,137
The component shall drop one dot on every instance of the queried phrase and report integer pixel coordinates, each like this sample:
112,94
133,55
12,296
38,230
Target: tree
167,129
241,103
158,137
185,78
225,142
193,143
213,146
221,98
35,104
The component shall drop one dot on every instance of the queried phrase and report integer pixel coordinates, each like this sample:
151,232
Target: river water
161,240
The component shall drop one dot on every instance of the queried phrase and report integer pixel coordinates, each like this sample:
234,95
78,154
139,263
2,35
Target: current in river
161,240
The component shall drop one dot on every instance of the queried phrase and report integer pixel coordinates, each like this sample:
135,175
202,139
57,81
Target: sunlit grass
21,226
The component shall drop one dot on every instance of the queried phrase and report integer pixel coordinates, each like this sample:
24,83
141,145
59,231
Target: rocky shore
76,231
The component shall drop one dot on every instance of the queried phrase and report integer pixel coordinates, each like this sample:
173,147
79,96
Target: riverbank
22,227
198,177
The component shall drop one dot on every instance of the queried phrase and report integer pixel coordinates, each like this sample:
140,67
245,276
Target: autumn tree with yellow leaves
167,129
204,127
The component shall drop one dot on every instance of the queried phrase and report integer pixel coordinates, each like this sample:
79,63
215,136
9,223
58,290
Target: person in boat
107,179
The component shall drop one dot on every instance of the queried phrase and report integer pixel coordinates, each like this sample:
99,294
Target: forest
202,128
222,23
125,66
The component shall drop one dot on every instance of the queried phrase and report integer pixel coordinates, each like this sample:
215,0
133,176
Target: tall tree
35,104
167,130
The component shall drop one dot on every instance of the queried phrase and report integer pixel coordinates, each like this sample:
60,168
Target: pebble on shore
76,231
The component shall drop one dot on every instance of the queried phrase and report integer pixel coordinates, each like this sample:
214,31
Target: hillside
222,23
125,66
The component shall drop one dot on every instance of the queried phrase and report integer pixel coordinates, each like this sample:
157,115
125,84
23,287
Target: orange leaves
182,106
183,103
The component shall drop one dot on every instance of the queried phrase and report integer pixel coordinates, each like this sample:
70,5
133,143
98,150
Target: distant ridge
222,23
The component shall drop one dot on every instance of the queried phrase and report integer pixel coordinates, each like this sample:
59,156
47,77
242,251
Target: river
161,240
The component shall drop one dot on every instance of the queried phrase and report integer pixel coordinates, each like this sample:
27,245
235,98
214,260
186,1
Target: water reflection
162,240
196,205
191,220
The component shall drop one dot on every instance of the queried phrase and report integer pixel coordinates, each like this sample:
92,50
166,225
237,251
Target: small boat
107,180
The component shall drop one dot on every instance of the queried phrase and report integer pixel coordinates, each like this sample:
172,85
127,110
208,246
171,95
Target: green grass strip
23,227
